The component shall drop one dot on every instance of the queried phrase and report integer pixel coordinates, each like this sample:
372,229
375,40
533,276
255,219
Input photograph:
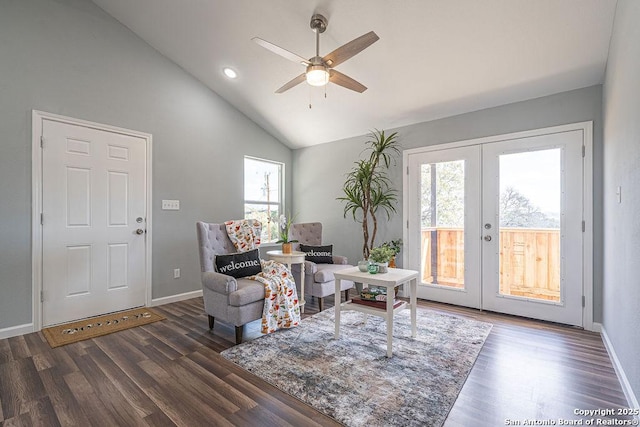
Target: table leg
390,301
337,309
302,300
413,299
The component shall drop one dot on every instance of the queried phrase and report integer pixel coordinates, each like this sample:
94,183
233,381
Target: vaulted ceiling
435,58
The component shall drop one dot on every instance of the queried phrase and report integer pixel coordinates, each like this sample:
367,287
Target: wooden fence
529,260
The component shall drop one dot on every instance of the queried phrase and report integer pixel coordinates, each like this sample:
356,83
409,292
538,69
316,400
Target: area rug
81,330
352,380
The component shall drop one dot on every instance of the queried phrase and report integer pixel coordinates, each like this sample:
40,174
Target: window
263,194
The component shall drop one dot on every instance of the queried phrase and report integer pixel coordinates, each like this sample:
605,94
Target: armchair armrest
339,259
218,282
310,267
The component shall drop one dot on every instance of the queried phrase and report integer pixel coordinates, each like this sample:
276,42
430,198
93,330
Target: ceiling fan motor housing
318,23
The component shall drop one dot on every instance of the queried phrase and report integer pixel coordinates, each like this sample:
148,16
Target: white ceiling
435,58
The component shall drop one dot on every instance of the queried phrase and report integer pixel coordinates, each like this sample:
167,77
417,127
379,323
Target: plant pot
286,248
392,263
383,267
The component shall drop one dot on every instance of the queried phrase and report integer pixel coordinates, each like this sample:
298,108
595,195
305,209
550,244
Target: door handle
139,231
487,238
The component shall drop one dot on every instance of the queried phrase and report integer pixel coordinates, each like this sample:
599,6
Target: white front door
498,225
94,222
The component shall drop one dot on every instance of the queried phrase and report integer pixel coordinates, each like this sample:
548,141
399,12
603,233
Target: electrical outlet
171,205
176,273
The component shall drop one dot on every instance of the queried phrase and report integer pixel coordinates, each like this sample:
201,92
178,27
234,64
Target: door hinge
584,151
583,301
41,141
41,296
407,170
41,219
584,226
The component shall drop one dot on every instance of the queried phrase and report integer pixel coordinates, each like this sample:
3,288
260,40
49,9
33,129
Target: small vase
286,248
363,265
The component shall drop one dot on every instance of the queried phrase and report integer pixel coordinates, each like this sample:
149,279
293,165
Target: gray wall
320,171
621,113
69,57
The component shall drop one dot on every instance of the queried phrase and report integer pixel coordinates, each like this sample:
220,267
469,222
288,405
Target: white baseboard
175,298
632,400
596,327
14,331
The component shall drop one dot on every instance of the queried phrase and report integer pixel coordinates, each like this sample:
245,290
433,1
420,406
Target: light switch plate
171,205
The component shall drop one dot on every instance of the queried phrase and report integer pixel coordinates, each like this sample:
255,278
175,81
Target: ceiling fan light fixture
317,75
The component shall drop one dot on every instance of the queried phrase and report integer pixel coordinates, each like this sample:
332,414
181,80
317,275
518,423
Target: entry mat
92,327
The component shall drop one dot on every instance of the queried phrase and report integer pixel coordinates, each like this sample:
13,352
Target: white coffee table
395,277
295,257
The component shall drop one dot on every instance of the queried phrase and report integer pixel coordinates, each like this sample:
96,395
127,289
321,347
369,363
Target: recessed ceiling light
229,72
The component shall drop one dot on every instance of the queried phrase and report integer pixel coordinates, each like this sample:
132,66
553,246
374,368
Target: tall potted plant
367,189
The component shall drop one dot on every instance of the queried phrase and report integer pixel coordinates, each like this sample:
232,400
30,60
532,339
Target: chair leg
211,320
346,295
238,334
320,304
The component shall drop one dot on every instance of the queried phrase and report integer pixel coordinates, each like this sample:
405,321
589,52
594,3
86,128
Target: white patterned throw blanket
281,308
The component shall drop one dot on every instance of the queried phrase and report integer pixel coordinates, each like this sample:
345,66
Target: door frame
587,194
37,119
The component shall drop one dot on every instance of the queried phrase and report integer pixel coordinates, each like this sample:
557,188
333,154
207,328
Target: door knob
487,238
139,231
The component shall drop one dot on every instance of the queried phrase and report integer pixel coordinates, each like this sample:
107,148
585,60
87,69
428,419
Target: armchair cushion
239,264
318,254
325,272
248,291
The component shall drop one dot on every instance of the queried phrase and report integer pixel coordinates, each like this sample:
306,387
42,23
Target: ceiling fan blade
345,81
280,51
350,49
301,78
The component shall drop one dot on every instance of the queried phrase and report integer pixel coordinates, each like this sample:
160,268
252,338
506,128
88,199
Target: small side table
389,280
295,257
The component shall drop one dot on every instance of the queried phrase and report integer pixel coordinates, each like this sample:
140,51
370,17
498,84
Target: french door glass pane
442,223
530,194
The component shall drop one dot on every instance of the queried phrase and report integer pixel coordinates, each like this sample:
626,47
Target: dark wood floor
170,373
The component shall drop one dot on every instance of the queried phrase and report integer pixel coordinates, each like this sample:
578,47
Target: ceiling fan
320,70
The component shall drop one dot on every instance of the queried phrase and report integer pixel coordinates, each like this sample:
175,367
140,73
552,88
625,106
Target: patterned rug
92,327
351,379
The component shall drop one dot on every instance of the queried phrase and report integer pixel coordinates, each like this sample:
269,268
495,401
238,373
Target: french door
499,225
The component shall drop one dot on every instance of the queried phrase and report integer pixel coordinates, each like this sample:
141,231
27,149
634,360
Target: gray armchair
318,278
234,301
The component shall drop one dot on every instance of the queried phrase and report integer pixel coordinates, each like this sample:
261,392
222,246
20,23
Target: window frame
280,185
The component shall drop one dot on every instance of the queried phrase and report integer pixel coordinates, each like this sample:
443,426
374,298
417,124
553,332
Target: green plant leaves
367,188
